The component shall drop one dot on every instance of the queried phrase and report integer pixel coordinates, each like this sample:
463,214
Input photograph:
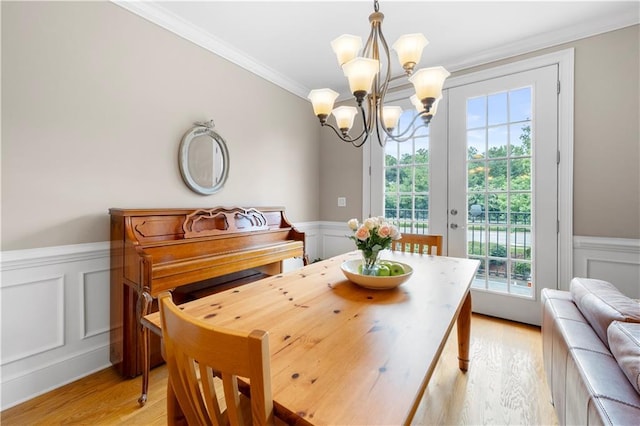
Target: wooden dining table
342,354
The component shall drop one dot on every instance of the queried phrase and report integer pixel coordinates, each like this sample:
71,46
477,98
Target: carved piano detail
207,222
193,252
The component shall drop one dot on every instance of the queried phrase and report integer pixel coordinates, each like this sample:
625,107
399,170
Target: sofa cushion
593,378
602,303
624,341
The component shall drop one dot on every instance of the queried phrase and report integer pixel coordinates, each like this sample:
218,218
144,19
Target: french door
502,189
490,158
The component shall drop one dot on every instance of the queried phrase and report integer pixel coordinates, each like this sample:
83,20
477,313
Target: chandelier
369,88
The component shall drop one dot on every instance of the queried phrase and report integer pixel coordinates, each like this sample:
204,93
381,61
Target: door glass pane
497,138
476,112
406,174
476,144
520,104
497,109
499,195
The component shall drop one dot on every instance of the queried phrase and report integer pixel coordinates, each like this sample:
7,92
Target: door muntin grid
406,178
499,191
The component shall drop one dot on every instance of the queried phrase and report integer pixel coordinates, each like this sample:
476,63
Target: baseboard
39,380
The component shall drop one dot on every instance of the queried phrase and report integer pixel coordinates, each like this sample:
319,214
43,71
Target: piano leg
145,300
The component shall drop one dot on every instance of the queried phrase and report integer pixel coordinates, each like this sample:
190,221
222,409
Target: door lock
454,212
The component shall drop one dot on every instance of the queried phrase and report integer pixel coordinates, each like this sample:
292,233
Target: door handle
453,226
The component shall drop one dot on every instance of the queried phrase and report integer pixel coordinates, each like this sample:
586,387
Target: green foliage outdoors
490,176
497,164
410,175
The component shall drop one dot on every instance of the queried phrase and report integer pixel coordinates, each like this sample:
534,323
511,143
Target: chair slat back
195,350
429,244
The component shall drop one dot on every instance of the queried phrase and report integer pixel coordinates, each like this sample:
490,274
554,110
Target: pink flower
363,233
384,231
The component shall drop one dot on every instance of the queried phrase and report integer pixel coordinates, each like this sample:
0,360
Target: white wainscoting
55,303
616,260
55,318
334,239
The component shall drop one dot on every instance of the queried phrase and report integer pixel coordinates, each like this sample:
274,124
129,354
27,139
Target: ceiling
288,42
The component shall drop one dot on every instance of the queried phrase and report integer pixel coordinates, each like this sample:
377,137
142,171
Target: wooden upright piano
193,252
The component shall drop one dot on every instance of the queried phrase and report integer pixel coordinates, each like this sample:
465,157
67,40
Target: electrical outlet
342,201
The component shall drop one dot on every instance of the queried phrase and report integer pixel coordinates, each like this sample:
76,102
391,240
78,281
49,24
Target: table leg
464,333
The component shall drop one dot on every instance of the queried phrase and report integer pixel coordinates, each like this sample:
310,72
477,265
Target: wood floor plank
505,384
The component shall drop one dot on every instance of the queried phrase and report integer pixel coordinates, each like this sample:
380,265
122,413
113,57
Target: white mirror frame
202,129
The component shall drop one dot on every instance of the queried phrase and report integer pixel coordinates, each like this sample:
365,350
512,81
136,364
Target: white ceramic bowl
350,270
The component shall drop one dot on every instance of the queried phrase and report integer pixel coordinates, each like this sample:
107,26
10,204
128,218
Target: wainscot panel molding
54,305
616,260
55,318
334,239
55,302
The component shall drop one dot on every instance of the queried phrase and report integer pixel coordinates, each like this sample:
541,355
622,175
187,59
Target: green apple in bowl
384,270
396,269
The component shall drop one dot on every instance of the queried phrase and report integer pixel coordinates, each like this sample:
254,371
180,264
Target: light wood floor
505,385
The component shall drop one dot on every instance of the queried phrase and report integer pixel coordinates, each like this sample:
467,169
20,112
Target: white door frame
565,60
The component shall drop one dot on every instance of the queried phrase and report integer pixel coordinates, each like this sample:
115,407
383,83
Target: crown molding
543,41
158,15
155,13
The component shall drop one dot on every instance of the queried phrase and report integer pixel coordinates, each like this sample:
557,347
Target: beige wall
95,101
606,141
607,135
341,176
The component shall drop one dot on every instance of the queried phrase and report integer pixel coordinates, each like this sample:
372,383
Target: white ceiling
287,42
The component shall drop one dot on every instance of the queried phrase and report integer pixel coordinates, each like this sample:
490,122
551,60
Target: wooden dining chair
199,356
430,244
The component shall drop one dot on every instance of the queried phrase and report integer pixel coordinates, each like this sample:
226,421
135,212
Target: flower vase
370,262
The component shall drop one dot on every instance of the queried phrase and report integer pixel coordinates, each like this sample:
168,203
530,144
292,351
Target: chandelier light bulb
428,83
322,101
360,72
346,47
391,116
409,48
344,116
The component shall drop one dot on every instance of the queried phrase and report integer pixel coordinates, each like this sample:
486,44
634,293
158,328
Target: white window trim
565,61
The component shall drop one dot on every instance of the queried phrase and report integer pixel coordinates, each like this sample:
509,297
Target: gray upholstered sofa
591,352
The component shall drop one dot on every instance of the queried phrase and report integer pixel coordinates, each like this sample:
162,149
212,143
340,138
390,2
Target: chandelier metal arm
382,91
376,97
401,136
344,136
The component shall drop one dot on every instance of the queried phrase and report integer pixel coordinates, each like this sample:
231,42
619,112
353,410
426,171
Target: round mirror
204,159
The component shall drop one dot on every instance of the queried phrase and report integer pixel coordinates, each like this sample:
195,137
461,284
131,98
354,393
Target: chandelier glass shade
369,87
